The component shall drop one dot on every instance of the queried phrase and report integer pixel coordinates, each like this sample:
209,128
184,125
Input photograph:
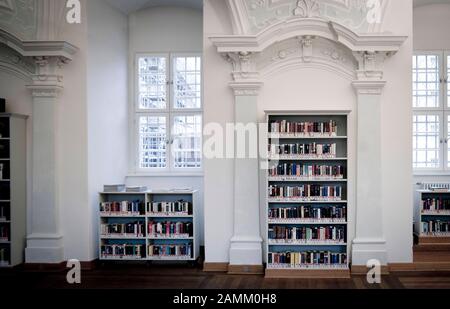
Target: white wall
162,30
107,91
312,89
72,145
431,25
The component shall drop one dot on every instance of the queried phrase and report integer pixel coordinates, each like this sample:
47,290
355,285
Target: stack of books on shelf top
114,188
136,189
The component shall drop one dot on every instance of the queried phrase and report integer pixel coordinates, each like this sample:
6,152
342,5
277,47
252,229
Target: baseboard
45,267
215,267
245,269
363,269
420,266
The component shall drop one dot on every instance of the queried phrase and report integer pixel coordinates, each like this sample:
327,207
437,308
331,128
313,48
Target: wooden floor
183,277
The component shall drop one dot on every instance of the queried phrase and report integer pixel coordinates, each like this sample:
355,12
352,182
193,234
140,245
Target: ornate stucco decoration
307,41
253,16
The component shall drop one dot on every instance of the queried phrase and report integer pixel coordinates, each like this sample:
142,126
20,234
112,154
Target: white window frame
442,111
170,112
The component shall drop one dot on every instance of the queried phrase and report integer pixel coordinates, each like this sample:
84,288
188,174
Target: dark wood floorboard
183,277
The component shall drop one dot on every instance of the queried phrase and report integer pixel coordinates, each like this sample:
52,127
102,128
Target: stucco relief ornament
307,9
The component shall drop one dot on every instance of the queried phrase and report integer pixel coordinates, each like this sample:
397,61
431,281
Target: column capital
246,88
48,78
369,87
243,66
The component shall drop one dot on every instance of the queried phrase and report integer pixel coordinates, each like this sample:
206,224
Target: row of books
304,128
308,170
180,206
4,233
125,250
334,233
309,212
298,259
122,208
136,229
436,226
307,190
434,204
170,228
171,250
310,150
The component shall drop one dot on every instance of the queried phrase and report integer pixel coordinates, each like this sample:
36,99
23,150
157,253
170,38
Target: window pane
426,141
152,142
426,84
152,83
187,147
187,82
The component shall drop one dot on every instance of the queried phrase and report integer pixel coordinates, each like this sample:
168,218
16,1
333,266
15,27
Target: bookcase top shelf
433,192
159,192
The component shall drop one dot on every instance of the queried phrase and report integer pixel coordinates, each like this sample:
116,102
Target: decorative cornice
61,49
369,87
318,27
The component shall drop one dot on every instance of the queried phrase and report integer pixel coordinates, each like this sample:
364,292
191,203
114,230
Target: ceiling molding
131,6
60,49
300,27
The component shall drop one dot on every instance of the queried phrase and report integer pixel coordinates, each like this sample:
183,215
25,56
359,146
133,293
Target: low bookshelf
12,189
307,195
432,216
149,226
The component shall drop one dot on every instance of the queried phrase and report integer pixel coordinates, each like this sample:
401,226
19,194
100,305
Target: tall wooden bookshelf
432,216
12,189
149,245
319,247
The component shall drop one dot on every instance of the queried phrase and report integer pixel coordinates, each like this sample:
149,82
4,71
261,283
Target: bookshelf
149,226
432,216
12,189
306,196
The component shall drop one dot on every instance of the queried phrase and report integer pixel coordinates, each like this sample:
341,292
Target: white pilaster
246,243
369,242
45,241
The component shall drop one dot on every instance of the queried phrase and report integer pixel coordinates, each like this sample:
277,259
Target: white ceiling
425,2
129,6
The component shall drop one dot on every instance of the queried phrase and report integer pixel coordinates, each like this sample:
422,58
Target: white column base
46,249
246,251
364,250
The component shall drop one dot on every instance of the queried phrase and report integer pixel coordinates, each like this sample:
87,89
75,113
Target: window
168,113
431,119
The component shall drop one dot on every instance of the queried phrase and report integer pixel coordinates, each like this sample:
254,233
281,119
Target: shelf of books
12,189
432,218
307,195
149,226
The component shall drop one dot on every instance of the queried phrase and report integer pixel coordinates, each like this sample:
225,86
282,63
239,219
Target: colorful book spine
308,212
321,233
167,250
178,207
308,170
311,150
311,191
122,208
131,229
328,128
307,258
4,233
436,227
122,251
435,204
170,229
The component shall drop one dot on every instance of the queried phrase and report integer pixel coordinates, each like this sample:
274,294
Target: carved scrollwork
307,9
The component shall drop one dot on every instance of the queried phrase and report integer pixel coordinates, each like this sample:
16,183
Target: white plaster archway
310,40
